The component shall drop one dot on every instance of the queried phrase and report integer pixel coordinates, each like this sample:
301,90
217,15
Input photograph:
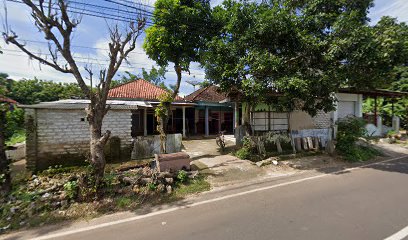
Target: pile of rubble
138,178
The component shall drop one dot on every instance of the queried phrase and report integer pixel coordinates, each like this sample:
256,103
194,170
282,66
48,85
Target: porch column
207,129
145,122
184,121
236,115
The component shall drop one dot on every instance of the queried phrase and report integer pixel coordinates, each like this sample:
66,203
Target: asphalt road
367,203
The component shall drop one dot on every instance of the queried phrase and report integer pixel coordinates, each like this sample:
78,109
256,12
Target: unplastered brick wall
66,133
322,120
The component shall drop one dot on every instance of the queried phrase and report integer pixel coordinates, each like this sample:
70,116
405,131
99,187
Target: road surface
364,203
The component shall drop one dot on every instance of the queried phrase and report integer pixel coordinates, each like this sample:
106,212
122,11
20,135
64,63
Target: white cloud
395,8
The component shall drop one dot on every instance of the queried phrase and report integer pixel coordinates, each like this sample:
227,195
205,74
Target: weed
182,176
123,202
71,188
243,153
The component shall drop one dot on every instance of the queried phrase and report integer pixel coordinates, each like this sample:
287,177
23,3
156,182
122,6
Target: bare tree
52,19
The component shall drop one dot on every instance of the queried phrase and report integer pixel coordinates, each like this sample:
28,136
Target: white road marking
84,229
399,235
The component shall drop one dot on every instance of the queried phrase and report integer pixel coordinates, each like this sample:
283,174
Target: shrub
152,186
182,176
350,129
243,153
71,189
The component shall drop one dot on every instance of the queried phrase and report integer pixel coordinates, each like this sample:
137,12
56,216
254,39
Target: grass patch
197,185
123,202
361,153
18,137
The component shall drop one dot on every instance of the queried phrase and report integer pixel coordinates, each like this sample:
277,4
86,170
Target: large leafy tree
302,51
177,36
31,91
373,53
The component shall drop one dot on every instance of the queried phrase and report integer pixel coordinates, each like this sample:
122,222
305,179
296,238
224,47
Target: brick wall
322,120
62,136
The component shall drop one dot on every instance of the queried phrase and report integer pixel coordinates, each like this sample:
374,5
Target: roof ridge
133,80
198,92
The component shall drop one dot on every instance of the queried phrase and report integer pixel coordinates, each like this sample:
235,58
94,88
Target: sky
90,42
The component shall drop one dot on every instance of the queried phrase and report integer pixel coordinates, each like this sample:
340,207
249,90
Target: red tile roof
207,94
138,89
6,99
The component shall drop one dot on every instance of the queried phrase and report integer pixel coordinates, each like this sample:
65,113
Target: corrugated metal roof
83,103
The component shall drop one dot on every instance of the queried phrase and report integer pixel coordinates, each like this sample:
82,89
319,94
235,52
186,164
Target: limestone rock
169,189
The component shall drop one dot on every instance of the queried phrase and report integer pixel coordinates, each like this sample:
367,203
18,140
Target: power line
91,13
127,1
43,42
109,8
128,6
196,27
101,65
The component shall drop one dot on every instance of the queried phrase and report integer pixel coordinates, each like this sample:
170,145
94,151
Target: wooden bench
172,162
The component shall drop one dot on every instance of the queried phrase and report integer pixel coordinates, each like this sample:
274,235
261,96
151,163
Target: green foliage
71,189
174,36
243,153
31,91
303,49
385,109
275,137
161,111
15,124
152,186
361,153
57,169
196,185
123,202
182,176
349,131
19,136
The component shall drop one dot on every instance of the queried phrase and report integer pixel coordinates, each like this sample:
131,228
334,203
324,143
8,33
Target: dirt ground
223,169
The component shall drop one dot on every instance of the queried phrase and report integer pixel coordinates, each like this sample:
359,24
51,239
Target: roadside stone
160,187
169,180
136,189
264,163
275,162
13,210
64,203
46,195
192,174
169,189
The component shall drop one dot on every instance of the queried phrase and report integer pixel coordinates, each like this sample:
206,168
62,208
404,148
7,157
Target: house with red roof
58,132
212,113
143,119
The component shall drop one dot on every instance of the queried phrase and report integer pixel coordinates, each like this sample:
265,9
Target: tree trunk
176,89
5,178
246,119
162,127
97,142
